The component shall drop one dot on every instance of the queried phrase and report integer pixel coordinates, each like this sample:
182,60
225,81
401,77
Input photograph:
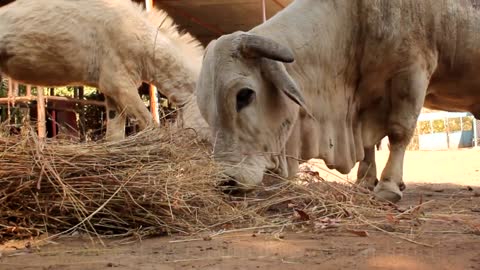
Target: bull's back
61,41
455,84
444,34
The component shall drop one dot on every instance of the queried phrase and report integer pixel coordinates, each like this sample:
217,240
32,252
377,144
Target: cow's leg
407,97
125,95
367,170
129,101
116,121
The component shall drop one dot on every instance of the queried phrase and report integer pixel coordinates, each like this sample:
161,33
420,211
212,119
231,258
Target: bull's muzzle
230,185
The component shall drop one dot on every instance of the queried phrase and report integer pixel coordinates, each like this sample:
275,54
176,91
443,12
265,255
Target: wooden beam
154,104
41,123
152,89
79,101
54,98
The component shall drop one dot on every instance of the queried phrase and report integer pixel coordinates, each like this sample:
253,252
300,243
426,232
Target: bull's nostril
227,180
228,184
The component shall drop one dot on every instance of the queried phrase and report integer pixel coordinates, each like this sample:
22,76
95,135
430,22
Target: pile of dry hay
156,182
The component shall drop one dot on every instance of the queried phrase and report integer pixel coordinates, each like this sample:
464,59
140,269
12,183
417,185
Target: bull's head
251,104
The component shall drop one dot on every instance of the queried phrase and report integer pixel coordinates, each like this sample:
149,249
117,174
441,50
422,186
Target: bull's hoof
388,196
388,191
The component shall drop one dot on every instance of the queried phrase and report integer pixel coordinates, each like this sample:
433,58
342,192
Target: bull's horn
257,46
278,75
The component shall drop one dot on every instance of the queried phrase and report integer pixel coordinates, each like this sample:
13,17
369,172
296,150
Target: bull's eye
244,97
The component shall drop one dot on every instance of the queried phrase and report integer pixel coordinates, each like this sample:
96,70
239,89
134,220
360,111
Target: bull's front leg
116,121
367,170
407,92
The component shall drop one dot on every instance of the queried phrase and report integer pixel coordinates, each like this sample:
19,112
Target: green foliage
3,88
454,124
95,117
438,126
65,91
467,123
68,91
424,127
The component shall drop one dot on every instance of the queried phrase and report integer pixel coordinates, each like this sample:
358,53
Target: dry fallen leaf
302,215
326,223
391,219
359,233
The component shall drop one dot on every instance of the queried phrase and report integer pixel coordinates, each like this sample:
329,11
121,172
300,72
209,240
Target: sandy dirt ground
450,239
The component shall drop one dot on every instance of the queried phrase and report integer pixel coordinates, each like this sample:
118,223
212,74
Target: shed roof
208,19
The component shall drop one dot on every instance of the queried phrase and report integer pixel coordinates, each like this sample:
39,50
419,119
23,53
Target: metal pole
264,10
81,116
29,95
10,86
475,132
447,130
15,95
54,116
152,89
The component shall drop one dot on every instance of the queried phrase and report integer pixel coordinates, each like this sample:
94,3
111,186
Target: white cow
114,45
330,78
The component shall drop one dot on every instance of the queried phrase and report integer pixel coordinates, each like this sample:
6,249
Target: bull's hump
473,3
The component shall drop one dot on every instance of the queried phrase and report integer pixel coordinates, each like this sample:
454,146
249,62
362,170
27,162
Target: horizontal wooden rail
53,98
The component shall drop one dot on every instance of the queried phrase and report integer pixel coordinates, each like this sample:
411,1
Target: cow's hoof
388,191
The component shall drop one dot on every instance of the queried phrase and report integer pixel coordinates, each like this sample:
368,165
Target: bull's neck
322,34
173,74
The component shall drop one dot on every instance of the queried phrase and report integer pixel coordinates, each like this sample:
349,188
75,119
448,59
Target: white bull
329,79
114,45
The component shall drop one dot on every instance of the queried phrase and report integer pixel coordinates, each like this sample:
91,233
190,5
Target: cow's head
251,104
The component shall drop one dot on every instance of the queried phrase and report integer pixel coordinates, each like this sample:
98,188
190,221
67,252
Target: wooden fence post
9,103
152,89
41,123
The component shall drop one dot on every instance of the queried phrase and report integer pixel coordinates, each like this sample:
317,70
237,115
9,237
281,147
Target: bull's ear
279,76
255,46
